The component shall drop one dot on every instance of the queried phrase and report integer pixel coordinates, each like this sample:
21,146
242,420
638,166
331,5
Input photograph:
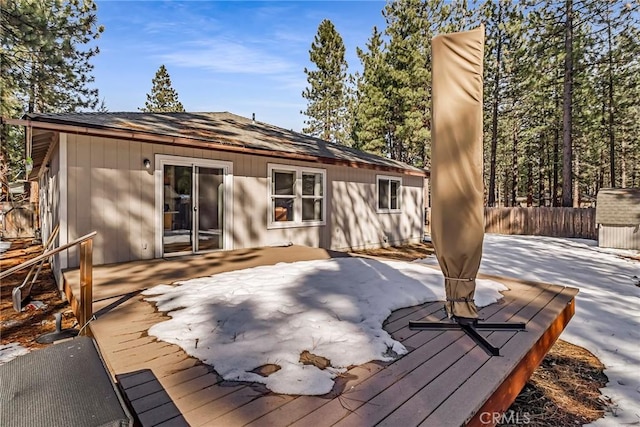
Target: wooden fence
18,220
553,222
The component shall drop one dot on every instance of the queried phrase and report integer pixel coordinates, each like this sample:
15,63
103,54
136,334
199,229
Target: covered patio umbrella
457,213
457,227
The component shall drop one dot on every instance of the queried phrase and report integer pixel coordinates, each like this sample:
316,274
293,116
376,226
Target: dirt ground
563,391
26,326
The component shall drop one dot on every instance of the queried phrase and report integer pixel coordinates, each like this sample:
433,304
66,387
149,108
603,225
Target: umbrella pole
470,327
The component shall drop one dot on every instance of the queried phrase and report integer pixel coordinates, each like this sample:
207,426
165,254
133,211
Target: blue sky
238,56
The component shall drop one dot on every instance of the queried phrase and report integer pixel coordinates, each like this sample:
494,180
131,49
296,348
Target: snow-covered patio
269,315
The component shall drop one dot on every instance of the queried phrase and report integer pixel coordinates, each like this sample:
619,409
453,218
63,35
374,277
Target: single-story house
164,184
618,218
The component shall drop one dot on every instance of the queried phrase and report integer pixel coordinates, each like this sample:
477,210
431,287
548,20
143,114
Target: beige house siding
619,236
618,218
49,201
111,192
618,206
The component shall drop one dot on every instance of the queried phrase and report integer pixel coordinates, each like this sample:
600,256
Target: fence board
543,221
17,220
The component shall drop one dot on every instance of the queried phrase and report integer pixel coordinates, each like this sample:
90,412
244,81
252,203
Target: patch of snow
10,351
241,320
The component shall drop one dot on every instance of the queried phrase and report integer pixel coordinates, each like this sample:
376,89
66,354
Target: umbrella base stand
470,327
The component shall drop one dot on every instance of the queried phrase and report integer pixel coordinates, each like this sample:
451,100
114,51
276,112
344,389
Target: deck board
443,371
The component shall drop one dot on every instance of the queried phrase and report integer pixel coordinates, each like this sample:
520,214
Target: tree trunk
567,154
556,152
541,165
623,163
601,170
494,114
576,181
550,174
611,106
514,168
529,181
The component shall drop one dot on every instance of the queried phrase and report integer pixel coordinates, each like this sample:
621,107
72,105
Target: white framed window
297,196
389,191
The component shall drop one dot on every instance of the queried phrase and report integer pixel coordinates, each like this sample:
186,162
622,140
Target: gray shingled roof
222,128
618,206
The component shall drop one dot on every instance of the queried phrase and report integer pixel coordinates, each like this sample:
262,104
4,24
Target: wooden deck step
148,399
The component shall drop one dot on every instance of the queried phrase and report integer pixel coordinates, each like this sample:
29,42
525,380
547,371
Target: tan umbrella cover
457,214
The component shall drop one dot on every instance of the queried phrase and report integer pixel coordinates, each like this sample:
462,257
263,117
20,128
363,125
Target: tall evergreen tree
371,126
408,83
45,54
163,98
562,93
503,23
327,93
567,108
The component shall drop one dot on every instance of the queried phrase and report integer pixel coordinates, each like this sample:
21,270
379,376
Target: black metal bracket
470,327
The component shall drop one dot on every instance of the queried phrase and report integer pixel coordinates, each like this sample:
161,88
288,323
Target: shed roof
222,130
618,206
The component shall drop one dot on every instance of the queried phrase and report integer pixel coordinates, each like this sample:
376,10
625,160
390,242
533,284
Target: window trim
388,178
298,197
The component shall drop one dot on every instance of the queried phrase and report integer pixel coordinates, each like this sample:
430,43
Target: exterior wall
111,192
49,184
353,221
619,236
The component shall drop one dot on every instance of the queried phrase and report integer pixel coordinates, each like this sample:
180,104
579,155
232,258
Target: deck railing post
86,285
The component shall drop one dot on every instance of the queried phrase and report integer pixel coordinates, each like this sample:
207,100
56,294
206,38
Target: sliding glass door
178,209
193,211
210,209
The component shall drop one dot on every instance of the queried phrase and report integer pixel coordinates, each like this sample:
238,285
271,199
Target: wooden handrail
20,293
86,275
46,255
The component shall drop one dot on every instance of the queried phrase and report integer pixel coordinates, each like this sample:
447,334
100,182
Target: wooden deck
444,380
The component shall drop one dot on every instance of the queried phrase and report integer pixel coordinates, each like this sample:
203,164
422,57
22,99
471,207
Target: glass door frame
227,167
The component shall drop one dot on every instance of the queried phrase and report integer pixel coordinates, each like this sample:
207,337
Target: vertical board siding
73,176
133,199
125,247
619,236
112,193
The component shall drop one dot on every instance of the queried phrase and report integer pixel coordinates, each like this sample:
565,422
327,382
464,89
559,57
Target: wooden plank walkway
444,380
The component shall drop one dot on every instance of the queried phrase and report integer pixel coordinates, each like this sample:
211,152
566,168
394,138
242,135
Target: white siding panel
619,236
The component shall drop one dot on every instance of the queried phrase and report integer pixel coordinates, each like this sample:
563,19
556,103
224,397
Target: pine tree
327,93
371,127
163,97
45,66
503,83
562,93
408,83
45,59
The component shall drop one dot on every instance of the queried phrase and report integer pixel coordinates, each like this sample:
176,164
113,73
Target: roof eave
142,136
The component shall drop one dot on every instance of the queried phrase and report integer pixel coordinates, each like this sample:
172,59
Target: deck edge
490,413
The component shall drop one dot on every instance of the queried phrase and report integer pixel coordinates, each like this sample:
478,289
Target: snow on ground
241,320
607,319
4,246
10,351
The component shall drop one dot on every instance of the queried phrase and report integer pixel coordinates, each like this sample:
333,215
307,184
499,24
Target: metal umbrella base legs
471,328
